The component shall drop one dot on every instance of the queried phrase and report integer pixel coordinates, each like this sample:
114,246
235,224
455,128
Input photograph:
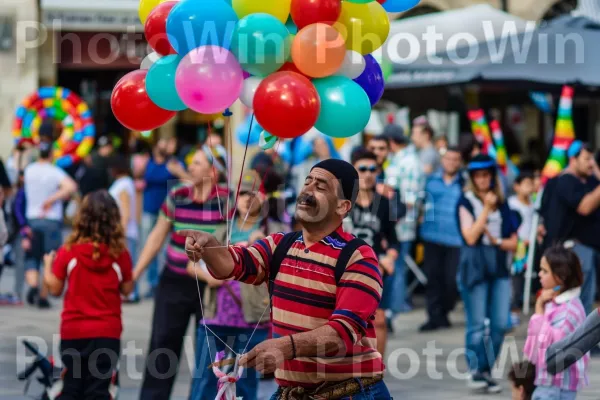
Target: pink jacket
561,317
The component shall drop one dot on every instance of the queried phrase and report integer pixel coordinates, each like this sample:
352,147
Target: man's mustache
309,199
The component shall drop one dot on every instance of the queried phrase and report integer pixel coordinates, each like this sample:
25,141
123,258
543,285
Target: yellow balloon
365,27
146,7
280,9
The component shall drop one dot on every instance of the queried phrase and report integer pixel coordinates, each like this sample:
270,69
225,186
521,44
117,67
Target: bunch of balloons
298,63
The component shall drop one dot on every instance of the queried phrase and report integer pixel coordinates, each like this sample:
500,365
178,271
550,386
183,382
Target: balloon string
267,170
228,163
241,172
215,177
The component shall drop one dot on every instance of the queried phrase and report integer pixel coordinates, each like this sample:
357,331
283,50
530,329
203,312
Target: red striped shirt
306,297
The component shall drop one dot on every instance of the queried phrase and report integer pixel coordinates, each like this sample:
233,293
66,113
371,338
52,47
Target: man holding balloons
298,64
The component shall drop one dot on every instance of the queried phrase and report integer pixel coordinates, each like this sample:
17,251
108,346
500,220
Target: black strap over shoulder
278,255
345,256
288,241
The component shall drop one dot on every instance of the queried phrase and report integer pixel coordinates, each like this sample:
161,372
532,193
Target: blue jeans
587,257
47,237
552,393
378,391
489,299
394,286
153,272
204,385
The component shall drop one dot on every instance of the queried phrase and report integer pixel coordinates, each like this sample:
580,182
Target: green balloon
345,107
261,43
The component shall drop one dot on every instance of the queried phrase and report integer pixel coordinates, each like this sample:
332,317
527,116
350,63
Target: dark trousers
441,265
175,302
90,364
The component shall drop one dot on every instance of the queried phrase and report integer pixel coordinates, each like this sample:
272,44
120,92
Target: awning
99,16
428,50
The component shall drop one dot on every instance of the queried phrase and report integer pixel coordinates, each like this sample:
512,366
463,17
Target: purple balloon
209,79
371,80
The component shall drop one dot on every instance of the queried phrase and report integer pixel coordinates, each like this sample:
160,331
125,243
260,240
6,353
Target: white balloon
150,60
353,66
249,90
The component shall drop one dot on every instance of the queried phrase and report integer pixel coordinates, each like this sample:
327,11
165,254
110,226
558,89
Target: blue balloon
160,84
195,23
399,5
371,80
345,107
261,43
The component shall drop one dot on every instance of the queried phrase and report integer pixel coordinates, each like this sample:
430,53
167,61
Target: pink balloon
209,79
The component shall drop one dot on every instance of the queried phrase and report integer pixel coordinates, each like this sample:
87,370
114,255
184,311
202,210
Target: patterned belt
328,390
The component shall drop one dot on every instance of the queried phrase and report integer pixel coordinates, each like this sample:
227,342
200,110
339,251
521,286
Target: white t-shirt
42,180
526,212
126,184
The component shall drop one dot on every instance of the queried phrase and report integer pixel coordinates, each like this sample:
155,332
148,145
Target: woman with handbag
488,228
234,312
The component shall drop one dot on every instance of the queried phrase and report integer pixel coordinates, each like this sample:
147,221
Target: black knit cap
345,173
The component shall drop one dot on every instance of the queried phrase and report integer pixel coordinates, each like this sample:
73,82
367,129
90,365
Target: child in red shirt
97,267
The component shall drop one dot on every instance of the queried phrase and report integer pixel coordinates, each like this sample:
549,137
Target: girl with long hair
95,263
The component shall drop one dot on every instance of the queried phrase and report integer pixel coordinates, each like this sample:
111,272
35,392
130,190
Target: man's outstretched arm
204,246
561,355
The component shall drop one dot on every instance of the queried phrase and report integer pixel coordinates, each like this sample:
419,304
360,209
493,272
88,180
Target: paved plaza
420,366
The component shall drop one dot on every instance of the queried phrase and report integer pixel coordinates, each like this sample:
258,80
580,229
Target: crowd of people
321,249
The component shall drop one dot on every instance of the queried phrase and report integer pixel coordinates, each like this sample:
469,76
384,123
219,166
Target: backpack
288,241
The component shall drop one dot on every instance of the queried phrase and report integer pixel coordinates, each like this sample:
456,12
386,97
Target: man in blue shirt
162,173
442,239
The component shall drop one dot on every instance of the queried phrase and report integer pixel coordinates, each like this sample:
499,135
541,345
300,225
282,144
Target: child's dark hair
522,374
98,221
120,165
362,154
565,266
522,176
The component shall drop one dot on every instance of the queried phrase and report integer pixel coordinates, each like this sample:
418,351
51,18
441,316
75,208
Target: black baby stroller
51,376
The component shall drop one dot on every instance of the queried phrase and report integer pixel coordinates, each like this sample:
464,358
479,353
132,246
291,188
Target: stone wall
18,78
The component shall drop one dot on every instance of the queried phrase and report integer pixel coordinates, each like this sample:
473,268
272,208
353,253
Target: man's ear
344,207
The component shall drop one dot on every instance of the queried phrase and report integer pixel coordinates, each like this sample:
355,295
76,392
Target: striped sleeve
168,208
358,296
251,264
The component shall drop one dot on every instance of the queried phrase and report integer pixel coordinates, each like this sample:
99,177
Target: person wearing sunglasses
372,220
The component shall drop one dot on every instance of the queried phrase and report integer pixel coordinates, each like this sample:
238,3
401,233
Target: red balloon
307,12
290,66
156,28
286,104
132,106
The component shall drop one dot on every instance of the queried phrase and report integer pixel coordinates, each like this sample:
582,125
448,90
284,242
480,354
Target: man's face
367,173
319,199
106,150
584,164
451,162
162,147
380,148
200,168
417,136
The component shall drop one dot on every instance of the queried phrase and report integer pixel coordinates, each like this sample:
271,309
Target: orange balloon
318,50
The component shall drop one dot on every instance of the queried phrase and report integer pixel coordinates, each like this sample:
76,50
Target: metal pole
531,254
